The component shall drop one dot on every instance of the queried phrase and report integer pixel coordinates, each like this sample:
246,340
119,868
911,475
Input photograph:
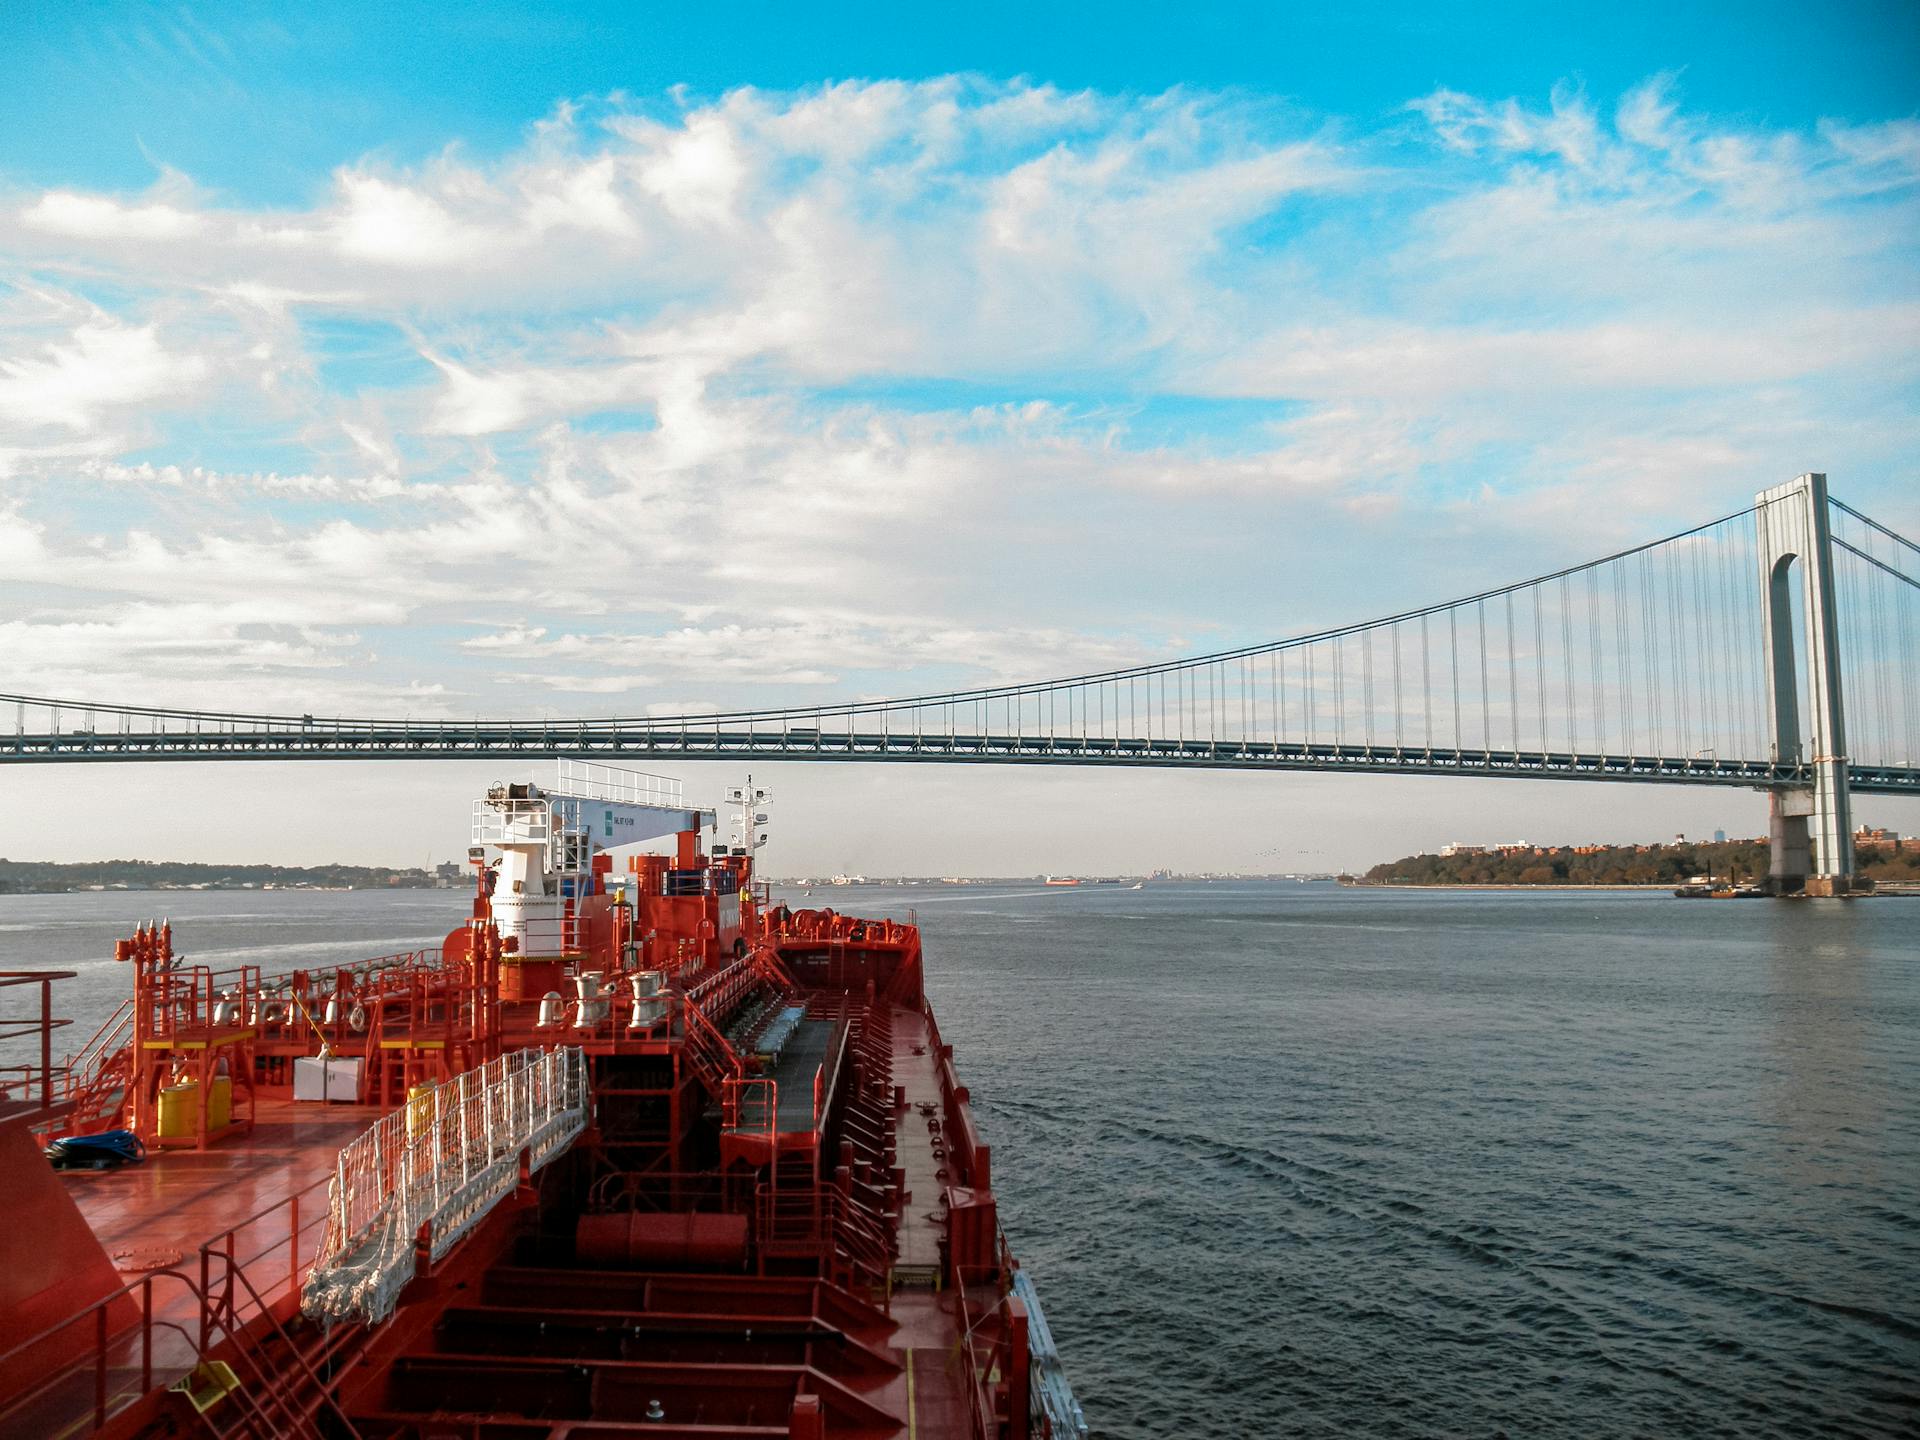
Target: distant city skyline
640,361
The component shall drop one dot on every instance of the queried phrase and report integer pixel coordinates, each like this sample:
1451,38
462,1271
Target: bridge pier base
1789,840
1799,837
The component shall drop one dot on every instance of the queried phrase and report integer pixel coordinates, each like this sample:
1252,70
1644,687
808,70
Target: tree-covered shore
1733,861
45,877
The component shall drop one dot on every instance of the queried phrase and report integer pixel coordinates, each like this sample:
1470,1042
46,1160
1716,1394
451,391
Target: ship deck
177,1201
812,1045
922,1219
251,1192
932,1393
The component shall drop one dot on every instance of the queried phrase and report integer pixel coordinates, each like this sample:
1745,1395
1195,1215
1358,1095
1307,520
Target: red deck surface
180,1199
932,1388
156,1215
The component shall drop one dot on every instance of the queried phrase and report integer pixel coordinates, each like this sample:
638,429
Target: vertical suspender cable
1670,624
1339,693
1366,681
1486,714
1513,683
1909,677
1279,696
1453,671
1728,643
1566,661
1843,581
1623,652
1426,689
1596,690
1710,647
1273,696
1651,637
1749,612
1886,659
1540,667
1399,719
1853,669
1310,700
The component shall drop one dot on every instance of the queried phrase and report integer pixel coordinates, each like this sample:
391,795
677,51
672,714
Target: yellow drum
176,1110
220,1103
420,1109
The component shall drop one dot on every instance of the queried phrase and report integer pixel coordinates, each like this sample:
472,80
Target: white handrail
440,1162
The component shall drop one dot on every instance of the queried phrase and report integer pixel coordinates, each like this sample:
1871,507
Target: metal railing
1051,1395
819,1222
512,822
439,1163
751,1107
584,780
548,936
37,1083
160,1326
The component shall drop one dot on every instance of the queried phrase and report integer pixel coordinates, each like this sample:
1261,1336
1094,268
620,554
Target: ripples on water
1291,1160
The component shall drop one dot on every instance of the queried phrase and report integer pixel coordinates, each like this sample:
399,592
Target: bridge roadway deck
601,740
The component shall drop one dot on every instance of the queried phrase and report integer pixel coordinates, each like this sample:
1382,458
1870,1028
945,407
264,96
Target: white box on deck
337,1079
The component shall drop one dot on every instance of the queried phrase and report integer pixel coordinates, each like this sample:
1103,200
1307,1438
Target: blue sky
654,357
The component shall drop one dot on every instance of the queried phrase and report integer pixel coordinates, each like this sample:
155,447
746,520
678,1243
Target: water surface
1297,1160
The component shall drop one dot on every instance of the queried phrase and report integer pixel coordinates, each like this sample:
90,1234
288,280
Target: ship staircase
267,1383
425,1025
829,1214
241,1372
534,1350
723,1018
866,1170
97,1077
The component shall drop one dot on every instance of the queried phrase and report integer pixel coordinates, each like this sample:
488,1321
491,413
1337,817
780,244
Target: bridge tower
1811,826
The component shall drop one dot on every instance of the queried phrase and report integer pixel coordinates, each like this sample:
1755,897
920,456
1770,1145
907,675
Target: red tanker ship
636,1152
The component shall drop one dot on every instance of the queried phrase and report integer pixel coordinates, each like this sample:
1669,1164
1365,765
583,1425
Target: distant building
1880,838
1719,837
1456,848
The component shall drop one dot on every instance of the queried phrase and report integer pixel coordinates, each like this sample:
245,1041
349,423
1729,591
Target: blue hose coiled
104,1151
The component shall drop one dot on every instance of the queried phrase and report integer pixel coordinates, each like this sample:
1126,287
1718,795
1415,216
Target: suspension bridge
1774,647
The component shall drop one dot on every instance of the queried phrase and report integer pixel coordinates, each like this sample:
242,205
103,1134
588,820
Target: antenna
747,833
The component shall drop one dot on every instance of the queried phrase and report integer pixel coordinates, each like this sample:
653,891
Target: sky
641,359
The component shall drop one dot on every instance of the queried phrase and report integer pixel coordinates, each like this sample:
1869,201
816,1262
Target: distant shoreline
1891,890
1652,886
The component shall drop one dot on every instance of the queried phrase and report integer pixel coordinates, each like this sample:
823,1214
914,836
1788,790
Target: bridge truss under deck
719,742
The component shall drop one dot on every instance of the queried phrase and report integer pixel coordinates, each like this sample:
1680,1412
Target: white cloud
886,380
100,217
387,223
100,365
